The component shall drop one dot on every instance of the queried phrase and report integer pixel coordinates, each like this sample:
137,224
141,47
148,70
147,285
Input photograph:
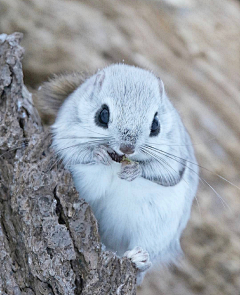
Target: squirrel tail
51,95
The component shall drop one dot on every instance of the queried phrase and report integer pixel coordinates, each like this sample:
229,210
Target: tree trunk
49,241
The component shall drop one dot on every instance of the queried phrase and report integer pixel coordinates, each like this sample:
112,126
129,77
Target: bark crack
59,209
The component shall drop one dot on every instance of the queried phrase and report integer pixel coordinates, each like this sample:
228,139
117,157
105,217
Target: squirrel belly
137,213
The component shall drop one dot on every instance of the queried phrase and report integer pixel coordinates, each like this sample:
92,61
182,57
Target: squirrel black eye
102,117
155,128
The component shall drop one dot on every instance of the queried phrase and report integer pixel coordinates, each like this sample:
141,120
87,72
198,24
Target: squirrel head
123,107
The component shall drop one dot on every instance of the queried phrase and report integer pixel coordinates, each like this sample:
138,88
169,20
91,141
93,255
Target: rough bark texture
49,242
194,46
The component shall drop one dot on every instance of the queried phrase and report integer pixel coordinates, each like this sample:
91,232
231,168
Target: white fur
138,213
144,212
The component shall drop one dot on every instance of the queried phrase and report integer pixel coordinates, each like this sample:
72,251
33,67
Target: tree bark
49,241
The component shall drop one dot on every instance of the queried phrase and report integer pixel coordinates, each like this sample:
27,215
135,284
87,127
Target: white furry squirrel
130,156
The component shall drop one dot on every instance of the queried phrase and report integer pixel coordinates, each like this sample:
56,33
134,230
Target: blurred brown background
194,46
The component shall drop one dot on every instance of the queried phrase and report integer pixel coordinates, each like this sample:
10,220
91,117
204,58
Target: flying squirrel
130,156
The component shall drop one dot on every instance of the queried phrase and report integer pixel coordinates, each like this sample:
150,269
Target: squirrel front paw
101,155
130,171
139,257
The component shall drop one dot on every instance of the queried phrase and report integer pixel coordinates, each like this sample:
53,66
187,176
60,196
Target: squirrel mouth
115,156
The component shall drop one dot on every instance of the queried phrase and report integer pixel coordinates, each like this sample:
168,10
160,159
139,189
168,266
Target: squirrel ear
99,80
161,86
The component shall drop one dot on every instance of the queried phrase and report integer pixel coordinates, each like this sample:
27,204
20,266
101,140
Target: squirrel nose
127,148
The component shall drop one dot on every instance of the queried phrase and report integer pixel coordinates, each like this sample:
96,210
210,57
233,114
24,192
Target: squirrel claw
139,257
130,171
101,155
